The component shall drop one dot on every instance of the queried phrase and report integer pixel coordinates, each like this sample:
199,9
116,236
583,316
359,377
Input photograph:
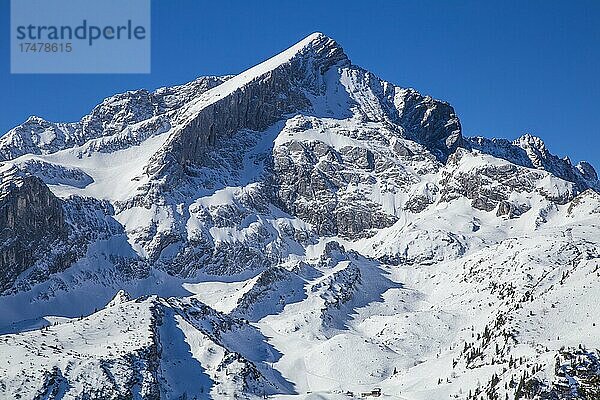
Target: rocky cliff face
32,224
430,122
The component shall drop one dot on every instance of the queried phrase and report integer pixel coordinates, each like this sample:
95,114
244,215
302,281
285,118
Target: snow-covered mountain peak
315,53
303,226
535,148
529,140
120,298
531,152
34,119
321,45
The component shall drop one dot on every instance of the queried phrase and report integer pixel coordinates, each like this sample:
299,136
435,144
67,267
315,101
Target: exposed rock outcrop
32,224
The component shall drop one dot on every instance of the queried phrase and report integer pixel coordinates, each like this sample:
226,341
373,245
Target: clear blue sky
507,68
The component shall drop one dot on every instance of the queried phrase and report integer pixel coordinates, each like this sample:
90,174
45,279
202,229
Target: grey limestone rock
32,225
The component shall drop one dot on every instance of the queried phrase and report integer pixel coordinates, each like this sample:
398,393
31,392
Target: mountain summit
301,227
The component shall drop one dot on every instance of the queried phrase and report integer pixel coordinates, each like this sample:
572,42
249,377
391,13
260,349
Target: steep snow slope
301,227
